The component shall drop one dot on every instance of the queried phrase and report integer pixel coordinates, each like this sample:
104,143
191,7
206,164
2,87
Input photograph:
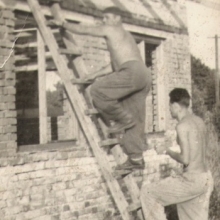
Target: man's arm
183,156
99,31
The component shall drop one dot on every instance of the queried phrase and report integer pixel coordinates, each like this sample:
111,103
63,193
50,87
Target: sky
203,24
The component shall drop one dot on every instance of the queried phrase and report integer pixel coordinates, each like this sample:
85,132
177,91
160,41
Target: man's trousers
190,191
124,92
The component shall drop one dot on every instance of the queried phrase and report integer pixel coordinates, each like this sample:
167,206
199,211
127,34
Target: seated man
129,82
191,189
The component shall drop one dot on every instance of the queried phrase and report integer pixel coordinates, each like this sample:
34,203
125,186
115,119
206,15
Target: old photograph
109,110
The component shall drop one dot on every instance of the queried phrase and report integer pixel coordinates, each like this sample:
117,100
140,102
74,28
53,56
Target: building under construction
60,167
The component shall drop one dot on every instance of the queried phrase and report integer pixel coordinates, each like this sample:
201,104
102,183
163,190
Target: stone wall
65,184
8,120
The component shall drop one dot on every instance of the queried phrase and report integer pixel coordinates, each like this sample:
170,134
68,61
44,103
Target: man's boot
122,124
130,164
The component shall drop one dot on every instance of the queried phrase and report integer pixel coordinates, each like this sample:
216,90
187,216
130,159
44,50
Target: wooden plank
91,112
32,67
23,46
22,57
23,34
81,82
42,89
26,68
108,142
70,52
79,107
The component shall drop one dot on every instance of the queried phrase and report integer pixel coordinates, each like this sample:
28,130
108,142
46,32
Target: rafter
208,3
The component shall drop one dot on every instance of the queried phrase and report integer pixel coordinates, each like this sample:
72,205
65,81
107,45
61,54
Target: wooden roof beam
74,16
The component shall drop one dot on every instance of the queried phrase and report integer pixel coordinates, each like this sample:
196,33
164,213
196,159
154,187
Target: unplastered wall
175,71
8,120
66,184
179,67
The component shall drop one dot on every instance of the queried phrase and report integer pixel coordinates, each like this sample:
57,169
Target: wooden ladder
79,104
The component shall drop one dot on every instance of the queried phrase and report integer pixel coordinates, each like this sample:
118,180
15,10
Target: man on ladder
120,95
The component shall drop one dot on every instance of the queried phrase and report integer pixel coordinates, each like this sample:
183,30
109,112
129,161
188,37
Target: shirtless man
190,190
120,95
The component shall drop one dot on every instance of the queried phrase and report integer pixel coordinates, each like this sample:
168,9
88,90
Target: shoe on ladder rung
122,124
131,165
134,207
108,142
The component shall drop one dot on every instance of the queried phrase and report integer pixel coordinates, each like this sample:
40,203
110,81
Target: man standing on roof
191,189
119,95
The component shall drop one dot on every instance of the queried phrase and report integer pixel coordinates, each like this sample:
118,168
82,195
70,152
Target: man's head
112,16
179,101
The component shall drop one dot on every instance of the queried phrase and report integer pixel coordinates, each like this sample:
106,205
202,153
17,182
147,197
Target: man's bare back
121,45
196,133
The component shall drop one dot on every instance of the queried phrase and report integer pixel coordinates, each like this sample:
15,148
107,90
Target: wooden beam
73,52
74,16
79,106
32,67
23,46
22,57
26,68
23,34
42,88
160,91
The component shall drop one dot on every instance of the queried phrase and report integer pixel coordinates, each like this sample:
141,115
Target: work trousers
190,191
123,92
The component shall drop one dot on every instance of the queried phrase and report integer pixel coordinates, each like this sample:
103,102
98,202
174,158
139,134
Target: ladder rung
108,142
70,52
121,173
54,1
134,206
80,81
91,112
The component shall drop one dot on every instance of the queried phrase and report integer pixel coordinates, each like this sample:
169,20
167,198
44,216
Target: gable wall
8,120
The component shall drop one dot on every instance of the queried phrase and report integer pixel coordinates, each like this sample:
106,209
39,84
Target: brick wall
64,184
178,70
8,121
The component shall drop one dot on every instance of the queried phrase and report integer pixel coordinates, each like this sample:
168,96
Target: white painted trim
42,89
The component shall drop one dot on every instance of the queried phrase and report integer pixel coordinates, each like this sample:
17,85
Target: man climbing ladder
120,95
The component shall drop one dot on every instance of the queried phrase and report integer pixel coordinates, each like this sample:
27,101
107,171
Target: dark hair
181,96
113,10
